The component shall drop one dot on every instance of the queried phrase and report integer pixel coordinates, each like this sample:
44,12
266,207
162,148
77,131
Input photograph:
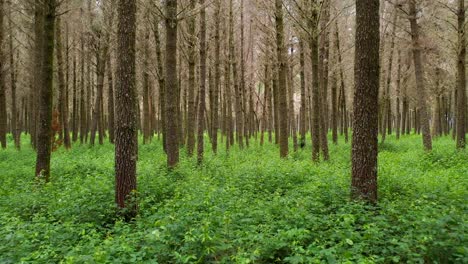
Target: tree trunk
172,144
201,97
366,99
282,89
3,110
314,53
110,101
217,77
45,93
126,104
63,110
303,115
419,72
461,78
191,113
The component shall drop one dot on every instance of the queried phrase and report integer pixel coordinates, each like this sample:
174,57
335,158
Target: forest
233,131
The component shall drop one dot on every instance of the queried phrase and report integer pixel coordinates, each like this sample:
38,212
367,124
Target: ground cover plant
247,206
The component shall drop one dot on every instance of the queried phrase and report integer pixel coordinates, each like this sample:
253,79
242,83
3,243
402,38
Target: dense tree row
240,71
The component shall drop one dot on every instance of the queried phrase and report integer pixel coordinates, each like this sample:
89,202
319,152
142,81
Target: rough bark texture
201,100
316,105
15,126
217,76
172,143
419,72
461,77
3,111
282,89
126,110
45,93
191,113
366,96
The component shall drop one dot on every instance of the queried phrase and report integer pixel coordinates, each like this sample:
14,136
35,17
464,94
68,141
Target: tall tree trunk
161,79
75,107
201,97
126,103
419,72
342,101
387,108
62,85
16,129
237,87
217,77
398,96
192,114
83,110
146,92
110,101
314,53
282,89
303,114
3,110
366,99
44,146
172,144
461,77
292,119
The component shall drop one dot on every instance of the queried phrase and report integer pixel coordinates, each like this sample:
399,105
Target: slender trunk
282,89
303,114
161,80
461,78
44,146
314,53
217,77
3,110
172,119
201,97
63,111
419,72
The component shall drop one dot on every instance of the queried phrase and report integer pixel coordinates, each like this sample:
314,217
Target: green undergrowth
248,206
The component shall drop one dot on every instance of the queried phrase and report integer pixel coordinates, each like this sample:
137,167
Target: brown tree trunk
342,97
419,72
63,109
3,110
83,110
45,93
366,98
75,107
461,78
172,142
125,106
15,128
146,124
237,87
398,95
110,101
303,112
314,53
191,115
217,77
282,88
201,97
161,80
387,108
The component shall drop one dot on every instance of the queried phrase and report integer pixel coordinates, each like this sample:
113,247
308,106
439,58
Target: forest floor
246,207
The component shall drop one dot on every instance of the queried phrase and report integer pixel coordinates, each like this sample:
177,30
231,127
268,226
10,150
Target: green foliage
247,206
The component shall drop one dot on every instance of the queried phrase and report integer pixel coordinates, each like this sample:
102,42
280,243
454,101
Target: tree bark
44,147
3,110
419,72
461,78
201,97
126,111
172,144
366,98
282,88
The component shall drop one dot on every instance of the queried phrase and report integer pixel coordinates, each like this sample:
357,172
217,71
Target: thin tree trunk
62,85
172,141
461,78
201,97
282,89
419,72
